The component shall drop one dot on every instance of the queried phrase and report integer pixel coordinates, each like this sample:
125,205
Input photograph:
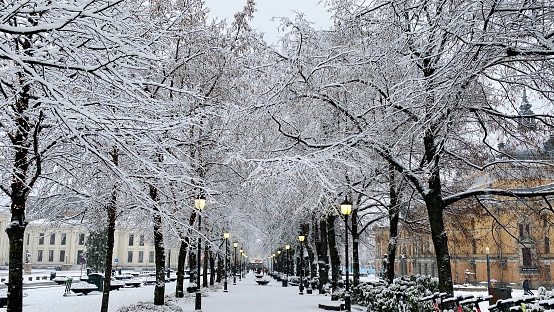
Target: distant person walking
527,287
67,286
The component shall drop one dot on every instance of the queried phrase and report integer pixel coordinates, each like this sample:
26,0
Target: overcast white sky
266,9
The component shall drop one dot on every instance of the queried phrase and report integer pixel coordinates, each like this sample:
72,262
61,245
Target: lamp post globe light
235,245
240,264
226,236
199,203
346,209
301,287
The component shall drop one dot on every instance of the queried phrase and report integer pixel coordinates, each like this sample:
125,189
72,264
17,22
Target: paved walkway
248,296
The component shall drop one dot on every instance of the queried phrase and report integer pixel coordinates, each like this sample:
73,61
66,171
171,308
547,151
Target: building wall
75,245
520,227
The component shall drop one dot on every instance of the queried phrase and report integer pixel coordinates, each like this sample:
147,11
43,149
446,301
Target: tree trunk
112,215
311,259
192,264
355,248
435,209
212,268
322,254
333,251
159,287
219,268
181,259
440,243
393,228
16,231
19,190
205,266
183,250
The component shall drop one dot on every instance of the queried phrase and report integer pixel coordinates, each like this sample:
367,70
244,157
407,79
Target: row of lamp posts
226,236
346,209
199,204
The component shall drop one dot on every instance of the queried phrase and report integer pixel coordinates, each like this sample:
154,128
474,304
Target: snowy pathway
247,296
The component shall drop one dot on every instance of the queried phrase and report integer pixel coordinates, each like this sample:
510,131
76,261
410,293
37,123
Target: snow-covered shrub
169,306
383,298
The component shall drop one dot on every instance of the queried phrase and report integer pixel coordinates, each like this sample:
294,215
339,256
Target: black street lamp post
287,247
346,209
301,287
199,204
488,270
226,236
286,280
235,245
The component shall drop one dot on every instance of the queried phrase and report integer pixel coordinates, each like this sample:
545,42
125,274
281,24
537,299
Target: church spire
526,121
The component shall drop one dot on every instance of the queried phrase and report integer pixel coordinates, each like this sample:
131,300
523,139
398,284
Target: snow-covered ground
246,296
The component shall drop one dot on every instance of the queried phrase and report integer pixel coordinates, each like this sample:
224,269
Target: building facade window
80,258
50,255
526,255
62,255
141,256
63,239
41,238
81,239
129,256
28,237
39,255
131,239
524,229
53,239
141,240
151,256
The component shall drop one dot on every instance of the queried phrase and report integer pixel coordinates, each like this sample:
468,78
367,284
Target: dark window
151,256
520,230
62,255
81,239
80,258
141,256
527,232
129,256
28,235
131,240
39,256
526,254
53,239
63,239
141,240
50,255
474,245
41,239
547,244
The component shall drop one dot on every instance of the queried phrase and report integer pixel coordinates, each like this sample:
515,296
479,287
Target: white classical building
55,244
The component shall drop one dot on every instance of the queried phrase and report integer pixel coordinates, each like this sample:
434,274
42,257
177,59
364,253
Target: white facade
55,245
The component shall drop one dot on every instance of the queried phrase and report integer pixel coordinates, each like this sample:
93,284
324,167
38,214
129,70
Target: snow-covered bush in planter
379,297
